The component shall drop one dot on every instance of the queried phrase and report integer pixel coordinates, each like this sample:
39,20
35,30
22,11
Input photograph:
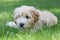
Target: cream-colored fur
32,18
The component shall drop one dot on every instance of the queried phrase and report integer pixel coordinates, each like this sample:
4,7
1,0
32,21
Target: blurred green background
6,14
8,5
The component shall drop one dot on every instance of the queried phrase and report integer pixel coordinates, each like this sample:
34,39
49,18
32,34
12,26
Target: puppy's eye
27,17
17,16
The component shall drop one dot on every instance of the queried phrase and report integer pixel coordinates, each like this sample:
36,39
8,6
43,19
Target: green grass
6,14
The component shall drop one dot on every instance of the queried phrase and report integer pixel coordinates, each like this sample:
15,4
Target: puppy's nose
21,24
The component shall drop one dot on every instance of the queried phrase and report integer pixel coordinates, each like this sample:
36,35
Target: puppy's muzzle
21,24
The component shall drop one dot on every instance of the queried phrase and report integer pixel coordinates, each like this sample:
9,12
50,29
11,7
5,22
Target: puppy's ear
35,15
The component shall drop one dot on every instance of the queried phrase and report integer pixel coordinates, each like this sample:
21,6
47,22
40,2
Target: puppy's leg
12,24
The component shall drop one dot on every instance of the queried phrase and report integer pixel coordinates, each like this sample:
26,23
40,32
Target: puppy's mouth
15,22
22,26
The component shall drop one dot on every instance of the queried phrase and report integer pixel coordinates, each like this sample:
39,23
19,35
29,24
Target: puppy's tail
56,20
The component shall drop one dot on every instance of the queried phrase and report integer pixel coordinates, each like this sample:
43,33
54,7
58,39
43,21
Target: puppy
29,17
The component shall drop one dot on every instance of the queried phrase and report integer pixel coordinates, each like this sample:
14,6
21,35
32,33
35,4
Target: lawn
6,14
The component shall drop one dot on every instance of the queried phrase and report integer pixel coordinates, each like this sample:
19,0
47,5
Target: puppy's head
26,16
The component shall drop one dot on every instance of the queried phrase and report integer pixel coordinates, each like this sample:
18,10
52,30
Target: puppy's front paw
10,24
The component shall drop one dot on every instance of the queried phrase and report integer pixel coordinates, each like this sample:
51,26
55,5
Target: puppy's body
29,17
47,18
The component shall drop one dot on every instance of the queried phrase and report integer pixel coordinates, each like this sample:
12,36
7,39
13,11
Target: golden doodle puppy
30,17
